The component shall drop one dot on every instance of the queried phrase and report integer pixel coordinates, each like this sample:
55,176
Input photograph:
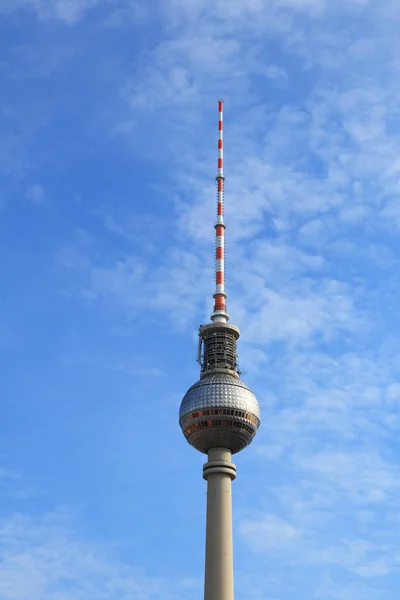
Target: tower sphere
219,411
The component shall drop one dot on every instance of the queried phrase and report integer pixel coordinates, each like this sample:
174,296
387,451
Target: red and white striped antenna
220,315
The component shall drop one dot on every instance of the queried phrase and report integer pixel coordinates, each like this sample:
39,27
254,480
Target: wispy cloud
68,11
43,558
43,555
312,147
268,533
35,194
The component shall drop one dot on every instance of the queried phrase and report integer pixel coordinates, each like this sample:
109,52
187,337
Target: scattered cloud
312,167
43,558
35,194
68,11
268,533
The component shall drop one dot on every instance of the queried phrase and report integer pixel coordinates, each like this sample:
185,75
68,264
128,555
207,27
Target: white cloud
361,476
43,558
312,186
68,11
268,533
336,590
35,193
393,392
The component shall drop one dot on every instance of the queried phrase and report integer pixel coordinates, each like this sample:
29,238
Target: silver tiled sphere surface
219,411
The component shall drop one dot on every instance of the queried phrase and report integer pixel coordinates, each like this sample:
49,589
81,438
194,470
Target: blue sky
108,136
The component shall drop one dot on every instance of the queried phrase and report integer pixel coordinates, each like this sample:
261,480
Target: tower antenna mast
220,315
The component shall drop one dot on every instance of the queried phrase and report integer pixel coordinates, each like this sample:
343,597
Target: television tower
219,415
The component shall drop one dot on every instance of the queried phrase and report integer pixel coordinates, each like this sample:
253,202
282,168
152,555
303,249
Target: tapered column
219,472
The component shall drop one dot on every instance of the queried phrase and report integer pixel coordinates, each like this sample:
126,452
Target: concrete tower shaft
219,472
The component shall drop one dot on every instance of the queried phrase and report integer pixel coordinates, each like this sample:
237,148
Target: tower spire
220,315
